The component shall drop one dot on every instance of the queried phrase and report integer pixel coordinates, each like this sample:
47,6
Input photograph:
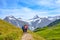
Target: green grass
51,33
35,36
9,32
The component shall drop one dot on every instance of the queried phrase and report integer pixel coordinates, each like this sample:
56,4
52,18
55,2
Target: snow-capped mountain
54,18
35,22
39,22
15,21
35,17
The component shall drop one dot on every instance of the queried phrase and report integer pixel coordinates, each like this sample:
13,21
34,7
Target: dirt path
27,36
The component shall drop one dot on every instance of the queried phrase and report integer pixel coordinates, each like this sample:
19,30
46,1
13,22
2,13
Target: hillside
11,32
54,23
51,32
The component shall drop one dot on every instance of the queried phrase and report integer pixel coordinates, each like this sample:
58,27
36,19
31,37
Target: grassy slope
10,32
35,36
52,33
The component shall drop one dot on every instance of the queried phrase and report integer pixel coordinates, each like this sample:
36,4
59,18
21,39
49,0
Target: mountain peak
10,16
35,17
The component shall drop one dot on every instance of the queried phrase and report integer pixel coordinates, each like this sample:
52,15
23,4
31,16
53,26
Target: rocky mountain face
15,21
35,22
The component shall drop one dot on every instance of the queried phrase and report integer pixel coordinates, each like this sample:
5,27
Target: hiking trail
27,36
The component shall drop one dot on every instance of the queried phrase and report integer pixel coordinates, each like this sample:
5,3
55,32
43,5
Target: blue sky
27,9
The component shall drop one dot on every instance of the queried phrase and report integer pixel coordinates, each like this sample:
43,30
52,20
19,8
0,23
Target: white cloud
23,12
58,1
27,13
45,2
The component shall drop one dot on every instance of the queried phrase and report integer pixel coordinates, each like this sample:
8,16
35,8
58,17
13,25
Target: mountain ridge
35,22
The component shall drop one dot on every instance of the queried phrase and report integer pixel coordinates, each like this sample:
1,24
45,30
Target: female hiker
24,28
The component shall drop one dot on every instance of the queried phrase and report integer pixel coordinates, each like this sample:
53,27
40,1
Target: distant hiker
24,28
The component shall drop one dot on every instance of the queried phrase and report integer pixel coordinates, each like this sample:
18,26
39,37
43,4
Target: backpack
22,27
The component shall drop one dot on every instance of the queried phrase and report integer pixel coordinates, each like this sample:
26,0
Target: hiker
24,28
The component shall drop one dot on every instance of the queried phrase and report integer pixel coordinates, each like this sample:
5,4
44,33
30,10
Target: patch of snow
12,19
51,18
39,21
